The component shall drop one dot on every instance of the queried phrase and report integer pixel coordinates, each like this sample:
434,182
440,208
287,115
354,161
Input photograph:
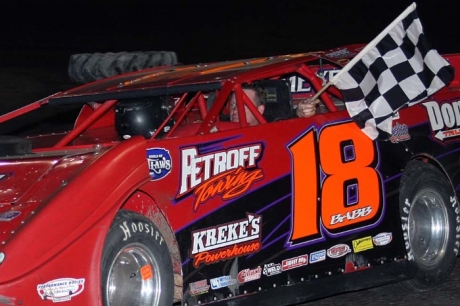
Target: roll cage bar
210,115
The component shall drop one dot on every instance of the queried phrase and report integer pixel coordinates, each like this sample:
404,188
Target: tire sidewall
128,228
419,176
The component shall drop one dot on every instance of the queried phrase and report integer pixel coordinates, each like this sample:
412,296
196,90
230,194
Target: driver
305,108
142,116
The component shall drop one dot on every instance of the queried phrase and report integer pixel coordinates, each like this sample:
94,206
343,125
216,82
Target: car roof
199,77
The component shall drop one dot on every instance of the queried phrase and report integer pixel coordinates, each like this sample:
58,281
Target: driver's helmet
141,116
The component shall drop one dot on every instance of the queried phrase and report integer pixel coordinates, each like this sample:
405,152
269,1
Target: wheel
430,218
89,67
136,264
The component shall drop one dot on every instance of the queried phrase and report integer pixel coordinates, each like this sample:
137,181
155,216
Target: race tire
136,263
88,67
430,223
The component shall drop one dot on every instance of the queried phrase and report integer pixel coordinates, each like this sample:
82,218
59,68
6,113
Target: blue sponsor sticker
9,215
222,281
160,163
318,256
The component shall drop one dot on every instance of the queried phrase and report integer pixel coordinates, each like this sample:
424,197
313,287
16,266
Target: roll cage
193,113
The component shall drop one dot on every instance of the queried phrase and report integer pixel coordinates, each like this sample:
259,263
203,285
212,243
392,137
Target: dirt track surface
22,85
447,294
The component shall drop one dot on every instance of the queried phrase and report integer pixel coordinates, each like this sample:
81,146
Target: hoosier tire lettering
134,247
430,224
140,227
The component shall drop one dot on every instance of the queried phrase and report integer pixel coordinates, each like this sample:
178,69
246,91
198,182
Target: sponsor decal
338,250
9,215
248,275
400,132
362,244
199,287
294,262
301,85
342,172
351,215
160,163
146,272
272,269
318,256
4,300
223,242
229,173
382,238
444,119
222,281
342,53
62,289
130,228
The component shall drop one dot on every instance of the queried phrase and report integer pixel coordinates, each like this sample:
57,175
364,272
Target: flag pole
366,49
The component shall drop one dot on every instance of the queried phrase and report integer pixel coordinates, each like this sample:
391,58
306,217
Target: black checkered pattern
401,70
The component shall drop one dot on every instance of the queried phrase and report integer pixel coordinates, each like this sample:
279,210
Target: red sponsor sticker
294,262
248,275
338,250
146,272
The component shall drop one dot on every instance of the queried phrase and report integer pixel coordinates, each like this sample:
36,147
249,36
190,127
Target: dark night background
38,37
49,32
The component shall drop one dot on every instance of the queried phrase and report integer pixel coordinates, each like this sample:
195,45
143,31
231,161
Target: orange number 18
346,195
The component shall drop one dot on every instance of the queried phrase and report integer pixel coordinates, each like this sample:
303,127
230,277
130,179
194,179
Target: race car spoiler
122,94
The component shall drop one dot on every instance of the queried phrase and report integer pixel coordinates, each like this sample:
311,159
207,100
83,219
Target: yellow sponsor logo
362,244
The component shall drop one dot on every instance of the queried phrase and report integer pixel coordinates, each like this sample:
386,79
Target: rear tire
89,67
136,264
430,218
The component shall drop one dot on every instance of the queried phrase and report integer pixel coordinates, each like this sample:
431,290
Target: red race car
163,193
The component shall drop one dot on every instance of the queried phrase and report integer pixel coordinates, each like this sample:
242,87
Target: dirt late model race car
157,196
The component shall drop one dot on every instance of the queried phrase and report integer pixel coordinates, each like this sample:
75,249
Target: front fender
90,199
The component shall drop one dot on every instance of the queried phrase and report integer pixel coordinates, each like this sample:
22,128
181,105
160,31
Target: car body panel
277,213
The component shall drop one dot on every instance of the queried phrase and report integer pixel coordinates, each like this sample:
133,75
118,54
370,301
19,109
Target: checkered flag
398,68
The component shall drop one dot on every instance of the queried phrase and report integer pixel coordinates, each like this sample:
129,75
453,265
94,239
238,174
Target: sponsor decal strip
229,173
227,241
62,289
362,244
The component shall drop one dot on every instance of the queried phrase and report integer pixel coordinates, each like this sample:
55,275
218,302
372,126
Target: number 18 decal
347,194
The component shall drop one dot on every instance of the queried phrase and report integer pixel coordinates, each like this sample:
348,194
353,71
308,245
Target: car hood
28,182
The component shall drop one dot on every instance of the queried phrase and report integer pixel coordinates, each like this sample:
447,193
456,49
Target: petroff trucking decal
160,163
362,244
62,289
199,287
336,186
248,275
444,120
229,173
223,242
295,262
